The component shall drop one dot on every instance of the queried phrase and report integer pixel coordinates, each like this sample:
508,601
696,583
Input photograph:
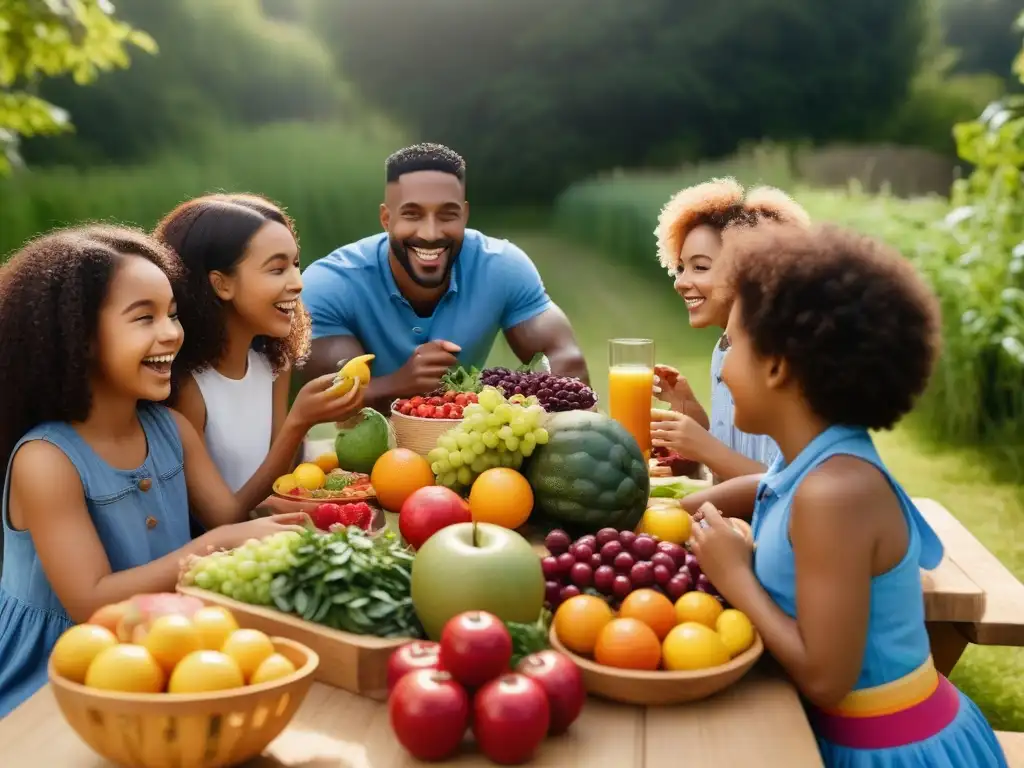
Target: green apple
476,567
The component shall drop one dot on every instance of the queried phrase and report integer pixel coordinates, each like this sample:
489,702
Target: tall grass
618,214
328,177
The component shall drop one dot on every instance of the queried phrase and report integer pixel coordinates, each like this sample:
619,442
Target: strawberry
417,401
447,411
423,411
450,395
327,514
358,514
438,412
456,411
460,399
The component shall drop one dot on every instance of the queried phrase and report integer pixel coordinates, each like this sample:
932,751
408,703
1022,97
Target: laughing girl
689,235
833,335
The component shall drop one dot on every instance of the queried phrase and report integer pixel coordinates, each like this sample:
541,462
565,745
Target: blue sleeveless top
897,639
136,527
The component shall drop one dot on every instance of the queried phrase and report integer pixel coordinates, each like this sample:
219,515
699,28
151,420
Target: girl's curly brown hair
211,233
51,292
720,203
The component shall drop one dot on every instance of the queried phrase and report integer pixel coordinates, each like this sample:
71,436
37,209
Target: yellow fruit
126,668
501,496
309,476
669,522
77,647
327,461
735,630
214,625
170,639
274,667
693,646
699,607
205,671
285,484
249,648
355,369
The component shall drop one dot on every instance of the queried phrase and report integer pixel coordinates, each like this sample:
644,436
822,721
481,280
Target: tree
47,38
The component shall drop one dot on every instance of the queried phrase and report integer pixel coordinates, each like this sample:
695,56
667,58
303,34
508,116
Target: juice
629,396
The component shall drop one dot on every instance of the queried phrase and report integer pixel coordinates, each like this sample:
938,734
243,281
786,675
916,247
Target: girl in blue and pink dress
833,582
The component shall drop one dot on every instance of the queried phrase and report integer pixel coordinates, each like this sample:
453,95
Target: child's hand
723,552
231,536
672,387
678,432
315,404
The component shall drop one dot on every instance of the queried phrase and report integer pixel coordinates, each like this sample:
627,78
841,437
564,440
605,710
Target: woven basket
209,730
417,434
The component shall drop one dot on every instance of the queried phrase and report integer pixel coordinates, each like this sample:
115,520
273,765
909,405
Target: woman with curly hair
833,335
245,329
99,479
689,234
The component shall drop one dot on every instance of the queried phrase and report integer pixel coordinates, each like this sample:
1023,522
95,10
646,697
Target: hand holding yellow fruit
352,371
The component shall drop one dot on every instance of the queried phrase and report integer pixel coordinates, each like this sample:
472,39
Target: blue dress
897,646
136,527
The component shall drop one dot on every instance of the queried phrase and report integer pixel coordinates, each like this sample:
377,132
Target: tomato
423,411
457,412
449,396
448,408
460,399
438,412
416,401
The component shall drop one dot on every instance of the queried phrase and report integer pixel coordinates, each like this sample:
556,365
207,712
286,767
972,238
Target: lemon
354,370
249,648
692,646
735,630
214,625
309,476
205,671
669,522
274,667
77,647
126,668
699,607
170,639
285,484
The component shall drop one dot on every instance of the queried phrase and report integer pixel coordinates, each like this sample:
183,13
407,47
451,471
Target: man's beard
401,251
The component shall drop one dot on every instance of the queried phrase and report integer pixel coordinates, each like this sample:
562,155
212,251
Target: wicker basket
418,434
187,730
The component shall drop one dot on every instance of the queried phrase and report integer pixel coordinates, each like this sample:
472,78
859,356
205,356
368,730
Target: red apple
511,716
419,654
429,714
562,681
428,510
475,647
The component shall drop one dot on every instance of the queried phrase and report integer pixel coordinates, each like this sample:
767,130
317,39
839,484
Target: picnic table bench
759,717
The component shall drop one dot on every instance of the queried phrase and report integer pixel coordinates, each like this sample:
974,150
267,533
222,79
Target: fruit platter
162,679
309,483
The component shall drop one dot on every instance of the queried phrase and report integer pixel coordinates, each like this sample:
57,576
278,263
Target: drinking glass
630,379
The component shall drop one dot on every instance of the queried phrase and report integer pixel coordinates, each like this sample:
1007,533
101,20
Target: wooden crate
354,663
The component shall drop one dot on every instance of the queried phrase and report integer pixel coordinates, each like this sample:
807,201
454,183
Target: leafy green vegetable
529,638
346,580
458,379
677,490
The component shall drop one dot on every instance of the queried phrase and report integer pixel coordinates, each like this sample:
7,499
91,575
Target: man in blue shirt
428,293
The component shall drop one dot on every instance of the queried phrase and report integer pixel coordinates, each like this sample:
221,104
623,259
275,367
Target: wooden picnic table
759,716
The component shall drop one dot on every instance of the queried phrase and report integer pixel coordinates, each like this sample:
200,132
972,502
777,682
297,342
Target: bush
330,178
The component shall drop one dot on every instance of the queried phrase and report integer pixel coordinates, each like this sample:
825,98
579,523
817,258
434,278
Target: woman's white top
759,448
239,418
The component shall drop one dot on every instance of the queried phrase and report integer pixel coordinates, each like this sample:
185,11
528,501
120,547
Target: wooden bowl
658,688
208,730
355,663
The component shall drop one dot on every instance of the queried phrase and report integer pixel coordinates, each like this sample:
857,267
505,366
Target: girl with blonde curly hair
690,231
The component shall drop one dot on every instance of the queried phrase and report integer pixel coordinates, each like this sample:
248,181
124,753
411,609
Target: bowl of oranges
654,652
164,680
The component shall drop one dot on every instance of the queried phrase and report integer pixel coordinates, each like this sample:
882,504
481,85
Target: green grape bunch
494,432
245,573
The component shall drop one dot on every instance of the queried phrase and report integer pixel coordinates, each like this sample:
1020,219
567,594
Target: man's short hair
425,157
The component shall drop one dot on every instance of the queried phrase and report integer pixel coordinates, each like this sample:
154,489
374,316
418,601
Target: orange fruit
501,496
274,667
579,620
170,639
327,461
736,631
77,647
249,648
214,625
126,668
628,644
652,608
699,607
309,476
693,646
205,671
396,474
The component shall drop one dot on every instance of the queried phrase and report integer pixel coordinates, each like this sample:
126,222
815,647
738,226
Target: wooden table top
761,715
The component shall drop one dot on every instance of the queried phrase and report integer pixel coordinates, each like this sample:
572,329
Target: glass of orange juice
630,379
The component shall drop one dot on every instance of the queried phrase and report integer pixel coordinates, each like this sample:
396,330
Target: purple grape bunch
614,563
554,393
